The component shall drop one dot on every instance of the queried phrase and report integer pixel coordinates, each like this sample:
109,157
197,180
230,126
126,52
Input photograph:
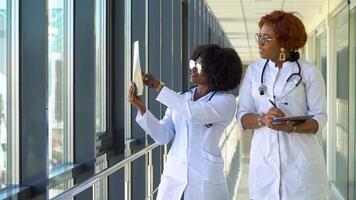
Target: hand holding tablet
293,119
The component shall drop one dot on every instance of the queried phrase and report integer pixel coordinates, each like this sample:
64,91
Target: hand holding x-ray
136,70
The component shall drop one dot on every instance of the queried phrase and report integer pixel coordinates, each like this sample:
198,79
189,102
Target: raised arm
221,108
161,131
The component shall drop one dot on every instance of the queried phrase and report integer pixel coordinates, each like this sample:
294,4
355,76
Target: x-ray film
136,70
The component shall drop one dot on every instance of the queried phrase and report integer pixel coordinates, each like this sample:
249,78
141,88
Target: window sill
15,192
63,173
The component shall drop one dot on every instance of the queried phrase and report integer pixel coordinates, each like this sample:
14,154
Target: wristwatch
259,118
160,86
294,129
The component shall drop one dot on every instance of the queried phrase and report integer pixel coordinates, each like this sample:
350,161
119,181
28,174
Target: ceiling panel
239,19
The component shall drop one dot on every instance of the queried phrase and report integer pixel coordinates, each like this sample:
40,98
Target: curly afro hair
222,66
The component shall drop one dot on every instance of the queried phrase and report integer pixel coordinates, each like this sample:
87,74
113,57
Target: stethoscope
191,91
263,88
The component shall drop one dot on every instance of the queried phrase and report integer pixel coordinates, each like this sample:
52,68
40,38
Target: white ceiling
239,19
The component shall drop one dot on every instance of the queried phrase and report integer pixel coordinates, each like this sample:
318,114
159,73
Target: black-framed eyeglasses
193,64
263,39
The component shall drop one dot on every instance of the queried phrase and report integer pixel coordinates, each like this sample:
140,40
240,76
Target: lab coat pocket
213,168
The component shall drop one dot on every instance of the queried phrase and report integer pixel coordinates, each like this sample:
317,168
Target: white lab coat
194,164
282,165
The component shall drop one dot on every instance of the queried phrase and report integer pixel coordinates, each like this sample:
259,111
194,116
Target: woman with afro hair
286,160
194,120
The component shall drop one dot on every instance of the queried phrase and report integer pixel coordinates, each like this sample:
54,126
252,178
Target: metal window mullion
148,157
13,88
127,67
96,71
127,106
149,175
103,58
69,80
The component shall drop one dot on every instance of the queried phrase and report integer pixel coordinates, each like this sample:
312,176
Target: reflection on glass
311,50
100,191
321,63
323,55
59,82
352,149
57,190
340,28
3,94
100,188
100,66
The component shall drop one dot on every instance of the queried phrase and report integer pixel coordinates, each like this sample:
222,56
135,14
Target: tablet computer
293,119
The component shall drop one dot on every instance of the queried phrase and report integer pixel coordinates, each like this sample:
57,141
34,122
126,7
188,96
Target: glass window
9,105
100,66
100,188
100,191
311,50
59,189
3,93
60,81
352,137
320,54
341,56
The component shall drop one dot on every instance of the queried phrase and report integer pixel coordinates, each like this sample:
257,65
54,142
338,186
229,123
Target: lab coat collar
203,98
286,65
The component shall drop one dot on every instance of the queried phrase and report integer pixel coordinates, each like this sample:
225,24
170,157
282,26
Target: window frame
68,70
12,92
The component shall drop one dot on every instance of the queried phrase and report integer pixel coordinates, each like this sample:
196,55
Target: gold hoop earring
282,55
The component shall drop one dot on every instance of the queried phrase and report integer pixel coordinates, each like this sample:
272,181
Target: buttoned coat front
285,166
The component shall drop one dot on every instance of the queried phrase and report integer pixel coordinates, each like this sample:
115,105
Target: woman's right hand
270,115
150,80
136,100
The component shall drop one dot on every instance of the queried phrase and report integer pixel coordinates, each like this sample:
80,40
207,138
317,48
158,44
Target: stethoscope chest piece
262,89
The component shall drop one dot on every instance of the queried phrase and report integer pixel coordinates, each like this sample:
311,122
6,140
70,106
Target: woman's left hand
286,127
150,80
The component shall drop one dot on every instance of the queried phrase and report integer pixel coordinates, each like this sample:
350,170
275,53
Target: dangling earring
282,55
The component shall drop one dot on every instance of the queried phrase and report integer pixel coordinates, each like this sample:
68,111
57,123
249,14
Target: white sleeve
316,98
161,131
221,108
246,103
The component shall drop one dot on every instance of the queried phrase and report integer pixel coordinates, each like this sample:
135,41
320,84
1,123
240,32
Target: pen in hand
273,104
278,113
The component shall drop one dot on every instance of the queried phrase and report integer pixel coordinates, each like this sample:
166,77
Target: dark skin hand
270,115
250,120
151,82
136,100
